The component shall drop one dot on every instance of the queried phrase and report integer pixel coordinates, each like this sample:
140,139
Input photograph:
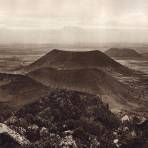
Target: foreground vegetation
77,120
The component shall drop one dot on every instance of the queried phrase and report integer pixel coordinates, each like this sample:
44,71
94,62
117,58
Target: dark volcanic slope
123,52
17,90
76,60
86,80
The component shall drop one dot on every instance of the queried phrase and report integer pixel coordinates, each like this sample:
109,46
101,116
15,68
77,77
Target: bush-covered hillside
73,119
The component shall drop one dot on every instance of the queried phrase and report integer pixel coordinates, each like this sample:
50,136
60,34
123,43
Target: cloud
107,15
92,13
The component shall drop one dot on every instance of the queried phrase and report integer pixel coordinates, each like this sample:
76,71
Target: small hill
76,60
123,52
17,90
92,81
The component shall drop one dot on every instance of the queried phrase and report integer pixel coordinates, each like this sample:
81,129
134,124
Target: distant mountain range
75,35
123,52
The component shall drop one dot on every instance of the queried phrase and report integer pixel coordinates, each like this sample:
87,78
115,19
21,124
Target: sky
74,21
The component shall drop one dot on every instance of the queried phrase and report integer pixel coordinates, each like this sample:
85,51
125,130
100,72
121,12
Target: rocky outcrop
19,139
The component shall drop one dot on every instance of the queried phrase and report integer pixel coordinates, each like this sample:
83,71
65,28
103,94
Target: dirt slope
17,90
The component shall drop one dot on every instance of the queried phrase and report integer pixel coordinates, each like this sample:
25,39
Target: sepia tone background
74,22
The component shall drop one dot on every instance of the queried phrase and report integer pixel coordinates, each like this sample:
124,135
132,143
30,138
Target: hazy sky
113,18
